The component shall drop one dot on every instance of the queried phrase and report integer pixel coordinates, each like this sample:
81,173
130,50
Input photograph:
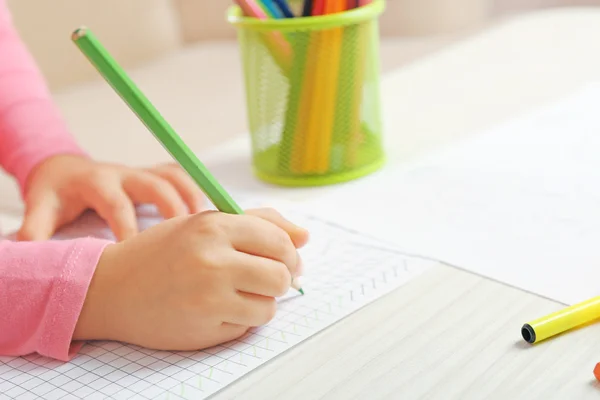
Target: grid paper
344,271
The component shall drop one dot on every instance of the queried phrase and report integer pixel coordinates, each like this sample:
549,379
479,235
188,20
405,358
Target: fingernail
298,282
299,268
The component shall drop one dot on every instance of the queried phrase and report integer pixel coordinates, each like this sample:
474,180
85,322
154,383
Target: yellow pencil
561,321
315,77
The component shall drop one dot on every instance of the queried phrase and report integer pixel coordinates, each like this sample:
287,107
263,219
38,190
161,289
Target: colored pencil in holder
310,108
318,7
284,8
331,69
277,44
270,8
349,131
312,125
291,149
294,147
318,106
307,8
348,81
313,103
326,131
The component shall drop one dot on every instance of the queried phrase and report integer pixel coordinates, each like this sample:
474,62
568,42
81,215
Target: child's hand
192,282
61,188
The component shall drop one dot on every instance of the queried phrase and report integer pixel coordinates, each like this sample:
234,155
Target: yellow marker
561,321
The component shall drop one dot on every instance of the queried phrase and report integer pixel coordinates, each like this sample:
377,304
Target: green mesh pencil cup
312,94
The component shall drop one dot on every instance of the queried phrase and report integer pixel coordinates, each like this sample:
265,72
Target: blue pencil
271,8
285,9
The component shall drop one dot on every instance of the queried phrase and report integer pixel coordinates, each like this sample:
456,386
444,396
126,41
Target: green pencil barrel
312,95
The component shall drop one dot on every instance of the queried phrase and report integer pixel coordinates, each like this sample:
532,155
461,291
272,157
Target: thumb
41,218
298,235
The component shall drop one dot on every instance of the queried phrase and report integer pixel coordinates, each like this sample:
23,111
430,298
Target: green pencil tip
79,32
301,292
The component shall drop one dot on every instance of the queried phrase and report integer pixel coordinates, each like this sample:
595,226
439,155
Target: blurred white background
141,30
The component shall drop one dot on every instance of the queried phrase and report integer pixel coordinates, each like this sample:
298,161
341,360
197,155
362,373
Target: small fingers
298,235
41,219
184,184
251,310
259,237
111,202
146,188
259,276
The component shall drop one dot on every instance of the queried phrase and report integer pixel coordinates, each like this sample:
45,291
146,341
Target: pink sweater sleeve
31,127
42,290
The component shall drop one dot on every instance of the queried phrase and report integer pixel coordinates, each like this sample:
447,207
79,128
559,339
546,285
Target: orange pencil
330,83
311,110
304,137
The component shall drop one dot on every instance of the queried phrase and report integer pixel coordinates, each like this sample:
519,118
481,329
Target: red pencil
318,7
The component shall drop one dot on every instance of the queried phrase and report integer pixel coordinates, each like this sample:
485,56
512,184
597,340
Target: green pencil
164,133
116,77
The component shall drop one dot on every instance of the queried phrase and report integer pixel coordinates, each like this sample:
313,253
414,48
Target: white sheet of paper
519,203
343,271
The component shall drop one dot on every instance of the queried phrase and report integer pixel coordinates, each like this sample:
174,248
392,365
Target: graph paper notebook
344,272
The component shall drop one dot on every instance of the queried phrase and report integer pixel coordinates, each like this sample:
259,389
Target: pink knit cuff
77,264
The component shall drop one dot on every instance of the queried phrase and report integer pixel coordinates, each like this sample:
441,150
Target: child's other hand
61,188
192,282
